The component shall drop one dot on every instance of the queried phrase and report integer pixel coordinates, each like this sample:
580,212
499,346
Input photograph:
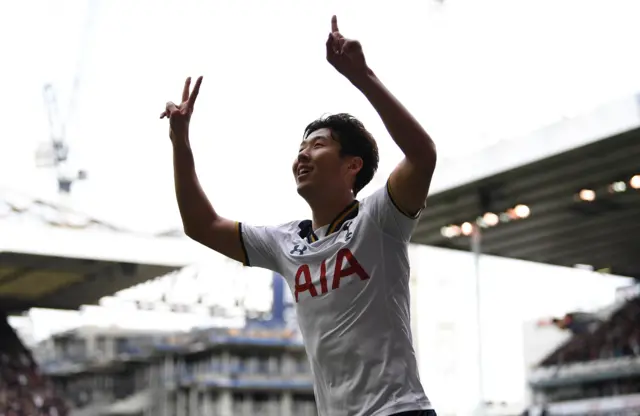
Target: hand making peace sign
180,115
345,54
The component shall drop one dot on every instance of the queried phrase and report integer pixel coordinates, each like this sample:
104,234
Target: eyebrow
314,139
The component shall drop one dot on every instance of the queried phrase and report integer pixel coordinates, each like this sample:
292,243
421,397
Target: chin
304,189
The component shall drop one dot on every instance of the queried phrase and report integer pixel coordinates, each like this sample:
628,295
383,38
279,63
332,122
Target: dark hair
354,140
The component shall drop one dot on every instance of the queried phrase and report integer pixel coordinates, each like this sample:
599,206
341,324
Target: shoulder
375,202
380,208
382,198
263,245
374,198
288,228
278,231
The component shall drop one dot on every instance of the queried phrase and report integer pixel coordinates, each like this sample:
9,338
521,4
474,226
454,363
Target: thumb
170,108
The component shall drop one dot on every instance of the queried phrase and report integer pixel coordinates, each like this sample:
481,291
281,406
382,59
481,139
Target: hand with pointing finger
346,54
180,115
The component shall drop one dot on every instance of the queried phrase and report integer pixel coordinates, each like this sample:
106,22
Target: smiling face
320,169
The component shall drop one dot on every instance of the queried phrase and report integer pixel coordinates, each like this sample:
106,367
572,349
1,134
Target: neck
327,209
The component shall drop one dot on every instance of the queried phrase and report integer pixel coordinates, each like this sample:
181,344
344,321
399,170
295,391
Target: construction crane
55,152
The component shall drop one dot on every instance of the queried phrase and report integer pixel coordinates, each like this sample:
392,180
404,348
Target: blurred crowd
619,336
23,389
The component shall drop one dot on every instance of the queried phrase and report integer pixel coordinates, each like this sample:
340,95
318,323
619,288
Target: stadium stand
24,391
543,175
617,337
595,372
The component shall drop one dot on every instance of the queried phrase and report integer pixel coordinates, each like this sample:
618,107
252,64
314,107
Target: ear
355,164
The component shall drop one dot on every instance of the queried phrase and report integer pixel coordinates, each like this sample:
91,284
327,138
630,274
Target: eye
318,145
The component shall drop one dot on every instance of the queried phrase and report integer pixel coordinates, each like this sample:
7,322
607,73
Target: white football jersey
350,282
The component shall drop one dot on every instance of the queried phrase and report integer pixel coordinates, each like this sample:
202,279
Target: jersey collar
306,226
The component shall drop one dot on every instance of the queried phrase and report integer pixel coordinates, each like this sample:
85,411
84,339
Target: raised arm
199,219
409,182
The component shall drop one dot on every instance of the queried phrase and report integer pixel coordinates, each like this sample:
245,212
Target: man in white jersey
348,266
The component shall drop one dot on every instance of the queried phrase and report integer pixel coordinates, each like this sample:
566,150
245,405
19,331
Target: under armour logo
297,249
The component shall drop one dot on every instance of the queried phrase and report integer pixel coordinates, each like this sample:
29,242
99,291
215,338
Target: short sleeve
389,217
259,246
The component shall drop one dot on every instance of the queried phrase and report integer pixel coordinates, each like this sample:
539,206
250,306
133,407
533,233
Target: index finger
185,89
194,93
334,24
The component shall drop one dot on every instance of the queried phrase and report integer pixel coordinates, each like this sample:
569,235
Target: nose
303,156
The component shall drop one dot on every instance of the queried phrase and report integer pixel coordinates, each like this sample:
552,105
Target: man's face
319,168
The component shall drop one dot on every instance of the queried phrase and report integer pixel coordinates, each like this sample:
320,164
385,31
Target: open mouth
303,171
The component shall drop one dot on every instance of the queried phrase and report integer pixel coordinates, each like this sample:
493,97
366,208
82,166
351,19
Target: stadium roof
52,257
597,153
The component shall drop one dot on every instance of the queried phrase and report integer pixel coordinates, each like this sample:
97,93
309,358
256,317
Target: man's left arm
410,180
409,183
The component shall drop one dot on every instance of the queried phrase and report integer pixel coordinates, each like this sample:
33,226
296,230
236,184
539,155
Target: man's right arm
250,245
200,221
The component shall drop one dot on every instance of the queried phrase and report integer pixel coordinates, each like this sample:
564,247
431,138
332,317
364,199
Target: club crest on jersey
346,227
298,249
346,265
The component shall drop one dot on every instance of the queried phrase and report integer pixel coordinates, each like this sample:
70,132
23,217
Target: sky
473,72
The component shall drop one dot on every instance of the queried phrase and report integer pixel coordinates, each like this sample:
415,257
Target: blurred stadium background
525,293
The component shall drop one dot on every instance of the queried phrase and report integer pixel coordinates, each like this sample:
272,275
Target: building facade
222,372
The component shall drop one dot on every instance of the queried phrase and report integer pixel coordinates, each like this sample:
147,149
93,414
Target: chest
341,259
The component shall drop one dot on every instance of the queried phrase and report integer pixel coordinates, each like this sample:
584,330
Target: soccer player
348,266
